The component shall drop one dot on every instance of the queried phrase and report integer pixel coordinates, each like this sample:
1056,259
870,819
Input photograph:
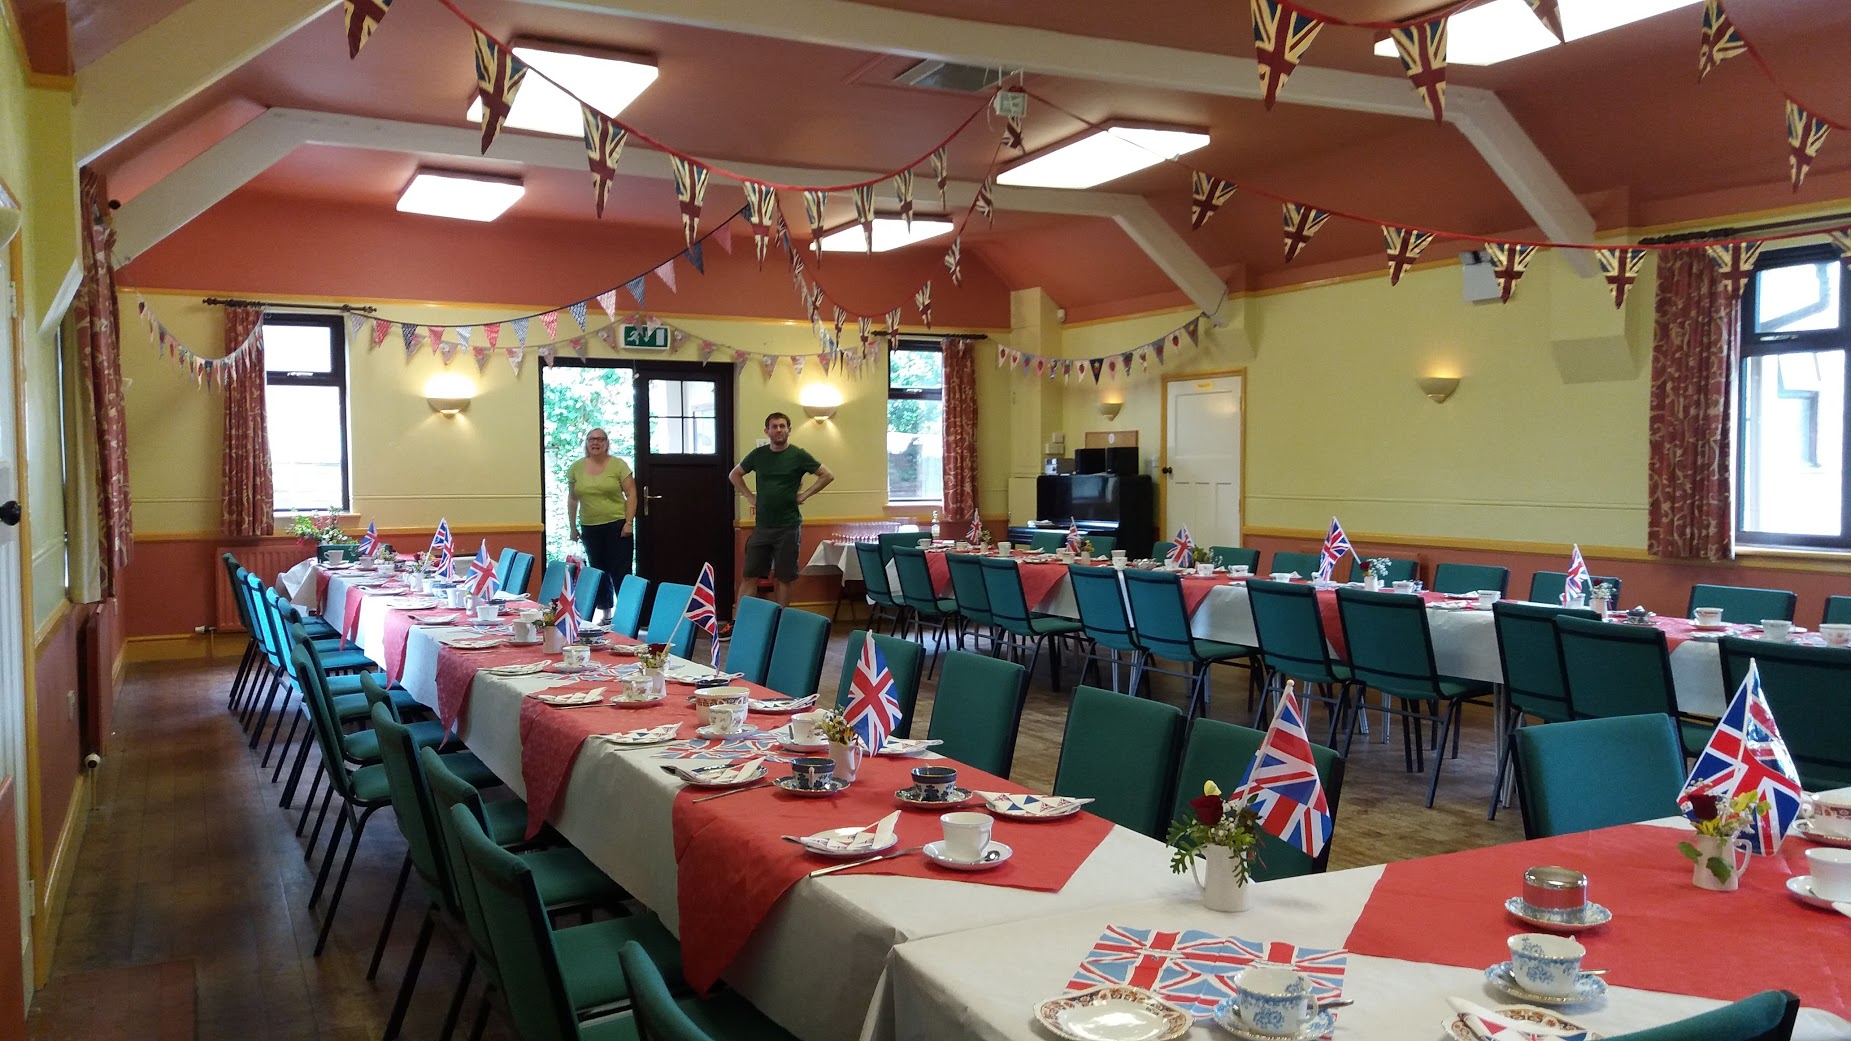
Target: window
682,419
1795,334
915,422
305,402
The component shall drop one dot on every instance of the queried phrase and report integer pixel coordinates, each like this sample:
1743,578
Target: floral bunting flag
739,363
492,332
482,355
690,193
864,211
551,321
1720,41
1012,134
636,287
1207,193
1002,355
797,365
1280,39
516,355
380,329
354,322
1405,245
608,301
666,272
706,350
1805,136
1620,268
1842,239
1549,13
941,173
1301,222
547,353
578,347
923,299
577,311
520,330
1736,261
410,335
903,187
363,17
447,351
1508,262
770,364
603,148
435,333
954,261
1423,57
609,335
761,202
498,79
824,359
986,203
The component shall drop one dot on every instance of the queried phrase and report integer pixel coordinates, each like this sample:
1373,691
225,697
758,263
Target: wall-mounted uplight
449,394
1110,409
1438,388
820,401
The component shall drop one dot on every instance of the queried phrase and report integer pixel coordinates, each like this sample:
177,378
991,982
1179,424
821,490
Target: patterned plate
1805,830
1113,1014
1227,1017
1029,807
1593,916
475,644
1587,988
1456,1028
831,785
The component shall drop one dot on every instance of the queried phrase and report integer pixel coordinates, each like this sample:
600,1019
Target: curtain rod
267,304
1824,223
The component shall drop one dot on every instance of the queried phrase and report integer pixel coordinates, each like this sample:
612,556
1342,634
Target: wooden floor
187,858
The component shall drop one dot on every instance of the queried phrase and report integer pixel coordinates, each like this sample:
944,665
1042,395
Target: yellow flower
1208,788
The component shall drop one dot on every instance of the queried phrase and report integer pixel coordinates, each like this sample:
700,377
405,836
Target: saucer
477,644
1113,1013
1545,1020
1801,888
903,748
792,745
1227,1018
711,734
831,785
1805,830
935,852
815,843
1588,988
559,666
1700,627
535,642
910,797
1029,807
1591,916
619,701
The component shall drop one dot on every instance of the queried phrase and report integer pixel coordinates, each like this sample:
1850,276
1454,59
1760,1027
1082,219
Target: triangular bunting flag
578,347
923,299
954,261
706,350
770,364
1012,134
515,356
824,359
1736,261
986,203
941,173
1805,136
1720,40
691,193
1301,222
864,211
1405,246
482,355
551,321
412,342
1158,347
695,258
608,301
761,202
739,362
1423,57
1207,193
492,333
1280,39
520,330
603,148
447,351
354,321
635,287
724,236
893,324
903,187
380,329
1620,267
546,353
1002,355
813,204
1508,262
797,365
498,79
609,335
841,317
1098,366
864,326
577,311
463,334
1549,13
363,17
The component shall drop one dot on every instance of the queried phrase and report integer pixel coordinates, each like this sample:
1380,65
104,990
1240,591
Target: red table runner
1333,619
733,866
456,673
1039,580
1666,934
941,573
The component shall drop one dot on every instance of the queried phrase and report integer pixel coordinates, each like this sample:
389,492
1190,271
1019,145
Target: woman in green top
601,507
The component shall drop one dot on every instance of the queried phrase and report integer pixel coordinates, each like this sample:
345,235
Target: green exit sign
646,337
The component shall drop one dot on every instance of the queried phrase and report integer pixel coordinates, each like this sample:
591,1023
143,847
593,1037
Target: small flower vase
1221,891
655,682
847,759
1086,556
555,640
1732,852
1600,605
1372,582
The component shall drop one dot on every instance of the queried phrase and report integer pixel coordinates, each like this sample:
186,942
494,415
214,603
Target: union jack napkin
1029,804
726,773
1491,1026
725,748
870,837
1195,970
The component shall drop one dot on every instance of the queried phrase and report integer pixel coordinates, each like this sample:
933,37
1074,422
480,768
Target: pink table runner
1666,934
456,673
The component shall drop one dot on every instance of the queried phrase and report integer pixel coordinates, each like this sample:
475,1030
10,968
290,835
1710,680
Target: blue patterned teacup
1545,964
1274,999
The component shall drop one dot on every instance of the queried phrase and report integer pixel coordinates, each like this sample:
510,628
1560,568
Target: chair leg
276,732
1448,720
295,771
1034,658
327,796
244,673
340,884
1512,722
1053,661
328,857
403,1002
481,1015
385,927
456,1003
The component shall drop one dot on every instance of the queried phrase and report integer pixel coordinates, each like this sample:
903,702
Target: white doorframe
16,666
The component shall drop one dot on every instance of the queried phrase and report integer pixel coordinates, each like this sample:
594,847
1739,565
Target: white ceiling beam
147,75
1484,120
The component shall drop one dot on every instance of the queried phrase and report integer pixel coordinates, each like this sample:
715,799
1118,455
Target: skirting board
57,881
182,646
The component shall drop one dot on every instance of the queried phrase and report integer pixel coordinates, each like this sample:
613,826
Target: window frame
923,346
1759,345
335,377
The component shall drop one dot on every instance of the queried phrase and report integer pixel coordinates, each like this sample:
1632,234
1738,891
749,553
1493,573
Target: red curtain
960,431
249,495
100,369
1695,347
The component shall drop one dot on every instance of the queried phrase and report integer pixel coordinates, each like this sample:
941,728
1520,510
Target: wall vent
945,75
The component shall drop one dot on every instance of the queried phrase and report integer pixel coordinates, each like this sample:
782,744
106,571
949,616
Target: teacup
332,555
1238,569
1274,999
1283,576
925,543
577,656
1487,597
812,772
1064,555
967,835
415,583
1002,549
524,631
1831,872
1776,628
1545,964
1119,554
457,596
727,718
1205,569
1708,615
806,728
1403,587
933,783
961,547
1836,634
487,612
637,688
706,699
1829,812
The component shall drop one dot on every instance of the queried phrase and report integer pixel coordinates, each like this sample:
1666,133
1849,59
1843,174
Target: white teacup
706,698
457,596
487,612
1238,569
1403,586
1487,597
727,718
806,728
1829,812
1274,999
1776,628
1002,549
1205,569
967,835
1836,634
524,631
1831,872
1283,576
961,547
925,543
1708,615
577,655
1545,964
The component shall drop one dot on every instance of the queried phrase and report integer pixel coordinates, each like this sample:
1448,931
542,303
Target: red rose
1704,807
1208,809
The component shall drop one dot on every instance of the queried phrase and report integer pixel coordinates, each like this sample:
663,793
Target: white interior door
1202,452
12,609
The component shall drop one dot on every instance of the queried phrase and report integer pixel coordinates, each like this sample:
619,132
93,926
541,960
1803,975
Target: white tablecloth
833,558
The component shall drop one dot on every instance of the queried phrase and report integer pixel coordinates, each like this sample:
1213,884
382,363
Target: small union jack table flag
369,542
1336,546
975,534
873,709
1747,754
1576,586
481,579
443,546
1283,782
702,609
1195,969
1074,539
1182,554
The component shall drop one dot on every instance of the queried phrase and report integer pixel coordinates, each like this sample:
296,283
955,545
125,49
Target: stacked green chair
586,591
1235,556
923,605
1470,578
1100,600
627,609
1617,669
1120,752
250,662
978,710
903,657
668,618
1002,583
881,598
1293,645
796,665
748,652
660,1017
1595,773
1531,656
1743,604
1400,569
1837,611
1222,752
1546,586
1287,561
552,581
974,618
1809,691
1391,650
1767,1016
1161,624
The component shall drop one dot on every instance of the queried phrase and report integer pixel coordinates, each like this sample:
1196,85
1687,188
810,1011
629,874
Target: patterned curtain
100,370
960,432
1695,346
249,495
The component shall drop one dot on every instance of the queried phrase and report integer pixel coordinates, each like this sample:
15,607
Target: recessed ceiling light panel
464,196
1506,29
607,81
1101,156
889,233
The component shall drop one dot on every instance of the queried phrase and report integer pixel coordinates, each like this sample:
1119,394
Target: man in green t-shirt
771,549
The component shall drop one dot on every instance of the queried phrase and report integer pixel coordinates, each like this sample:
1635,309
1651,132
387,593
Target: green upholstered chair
1221,752
1103,545
978,709
796,665
1616,669
1100,600
923,605
1546,586
504,565
249,663
1595,773
1160,550
1743,604
974,618
345,552
1531,656
660,1017
668,618
1046,540
903,657
1400,569
627,608
1391,649
886,541
1235,556
755,625
519,575
552,581
1286,560
1837,611
1121,752
882,601
586,590
1293,645
1002,583
1767,1016
1809,691
1470,578
1161,623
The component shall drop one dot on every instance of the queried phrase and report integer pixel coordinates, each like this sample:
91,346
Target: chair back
668,618
754,627
904,659
796,665
240,593
1546,586
315,701
1400,569
967,587
1160,550
519,574
585,590
887,540
1002,584
271,639
1594,773
1809,691
1223,753
504,565
1158,615
1235,556
1767,1016
1120,751
521,935
978,709
552,581
1532,657
627,609
1286,560
1046,541
450,793
1101,603
412,805
1290,628
658,1016
909,562
1743,604
1615,669
1103,545
1470,578
1391,648
874,574
1837,611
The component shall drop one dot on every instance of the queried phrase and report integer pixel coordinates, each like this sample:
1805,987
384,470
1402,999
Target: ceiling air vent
944,75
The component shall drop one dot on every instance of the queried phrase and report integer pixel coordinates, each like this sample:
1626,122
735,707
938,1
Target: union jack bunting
565,617
1280,39
1508,262
954,261
1196,969
703,611
1736,261
1182,552
1283,782
974,534
892,319
1012,134
1747,754
1074,539
724,748
363,17
903,188
498,79
691,193
1842,239
1423,57
1206,195
369,542
864,328
873,709
941,173
1405,245
1805,136
1336,545
1301,222
481,579
923,300
1549,13
1620,267
985,202
443,546
1720,41
864,211
603,147
841,320
1577,585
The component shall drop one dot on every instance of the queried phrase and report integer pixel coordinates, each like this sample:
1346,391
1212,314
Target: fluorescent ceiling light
607,82
1506,29
889,233
1102,156
477,197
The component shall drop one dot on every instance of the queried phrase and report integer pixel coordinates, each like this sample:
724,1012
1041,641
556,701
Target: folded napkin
522,669
874,836
725,773
1030,804
572,700
905,746
782,704
695,673
1491,1026
646,736
436,618
478,642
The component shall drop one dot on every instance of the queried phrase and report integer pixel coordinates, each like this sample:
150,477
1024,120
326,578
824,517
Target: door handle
1167,471
648,498
9,513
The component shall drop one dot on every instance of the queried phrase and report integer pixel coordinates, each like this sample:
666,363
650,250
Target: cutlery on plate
1336,1003
735,791
858,863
